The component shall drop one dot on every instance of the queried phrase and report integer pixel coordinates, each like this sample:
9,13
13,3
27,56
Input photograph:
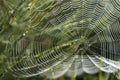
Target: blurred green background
8,25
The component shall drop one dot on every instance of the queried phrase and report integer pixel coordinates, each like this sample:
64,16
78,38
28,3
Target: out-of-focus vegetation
15,22
98,76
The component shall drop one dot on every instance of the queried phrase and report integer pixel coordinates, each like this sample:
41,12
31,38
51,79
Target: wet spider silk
64,37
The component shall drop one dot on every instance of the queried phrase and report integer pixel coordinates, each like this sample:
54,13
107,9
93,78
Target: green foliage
19,18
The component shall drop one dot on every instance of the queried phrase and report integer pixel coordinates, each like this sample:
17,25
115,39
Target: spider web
56,31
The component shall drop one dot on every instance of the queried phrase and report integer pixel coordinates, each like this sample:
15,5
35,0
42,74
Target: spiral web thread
64,37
